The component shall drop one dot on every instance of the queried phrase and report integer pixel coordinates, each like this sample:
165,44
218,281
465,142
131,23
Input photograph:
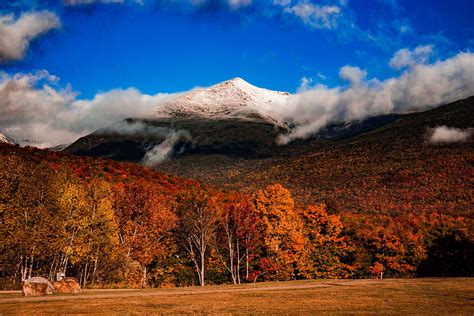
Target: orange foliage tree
281,231
326,247
146,222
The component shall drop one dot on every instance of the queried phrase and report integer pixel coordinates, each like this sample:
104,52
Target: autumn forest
114,224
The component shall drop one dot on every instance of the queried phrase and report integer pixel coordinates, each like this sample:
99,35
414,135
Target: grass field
431,296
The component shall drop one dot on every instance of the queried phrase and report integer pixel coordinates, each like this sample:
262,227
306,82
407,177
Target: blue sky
169,46
70,67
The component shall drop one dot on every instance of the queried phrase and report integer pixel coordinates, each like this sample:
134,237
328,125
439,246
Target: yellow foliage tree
89,229
325,246
281,230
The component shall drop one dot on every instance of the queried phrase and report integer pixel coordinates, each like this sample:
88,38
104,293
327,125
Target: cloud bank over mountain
36,110
419,87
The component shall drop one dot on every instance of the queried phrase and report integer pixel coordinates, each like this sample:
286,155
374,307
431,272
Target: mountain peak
237,81
234,98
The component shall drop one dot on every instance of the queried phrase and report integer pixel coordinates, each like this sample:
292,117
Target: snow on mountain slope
234,98
4,139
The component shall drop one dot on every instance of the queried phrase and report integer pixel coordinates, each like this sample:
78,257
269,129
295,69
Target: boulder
67,285
37,286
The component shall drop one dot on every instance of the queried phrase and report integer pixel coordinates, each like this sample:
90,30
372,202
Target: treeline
110,224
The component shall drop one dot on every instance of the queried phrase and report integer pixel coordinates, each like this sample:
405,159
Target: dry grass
409,296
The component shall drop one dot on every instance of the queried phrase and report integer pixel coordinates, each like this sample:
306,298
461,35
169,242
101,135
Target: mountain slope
233,118
5,139
231,136
390,169
383,164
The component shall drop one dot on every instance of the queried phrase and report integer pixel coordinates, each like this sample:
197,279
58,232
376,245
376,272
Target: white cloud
354,75
15,35
166,148
305,84
169,138
444,134
421,87
408,58
33,106
35,111
235,4
308,83
316,16
321,76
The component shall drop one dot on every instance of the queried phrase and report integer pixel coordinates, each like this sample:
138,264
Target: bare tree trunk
51,267
94,271
203,253
144,277
31,266
231,259
18,268
85,275
133,238
256,277
198,229
230,264
238,262
64,267
66,258
60,263
246,263
24,269
192,254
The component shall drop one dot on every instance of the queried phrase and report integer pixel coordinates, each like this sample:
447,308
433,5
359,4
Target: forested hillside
393,169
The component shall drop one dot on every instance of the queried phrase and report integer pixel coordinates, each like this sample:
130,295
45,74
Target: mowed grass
431,296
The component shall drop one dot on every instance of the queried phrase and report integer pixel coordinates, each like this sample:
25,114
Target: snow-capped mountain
5,139
233,98
232,118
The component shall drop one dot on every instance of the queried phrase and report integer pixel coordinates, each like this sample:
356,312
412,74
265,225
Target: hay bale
37,286
67,285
